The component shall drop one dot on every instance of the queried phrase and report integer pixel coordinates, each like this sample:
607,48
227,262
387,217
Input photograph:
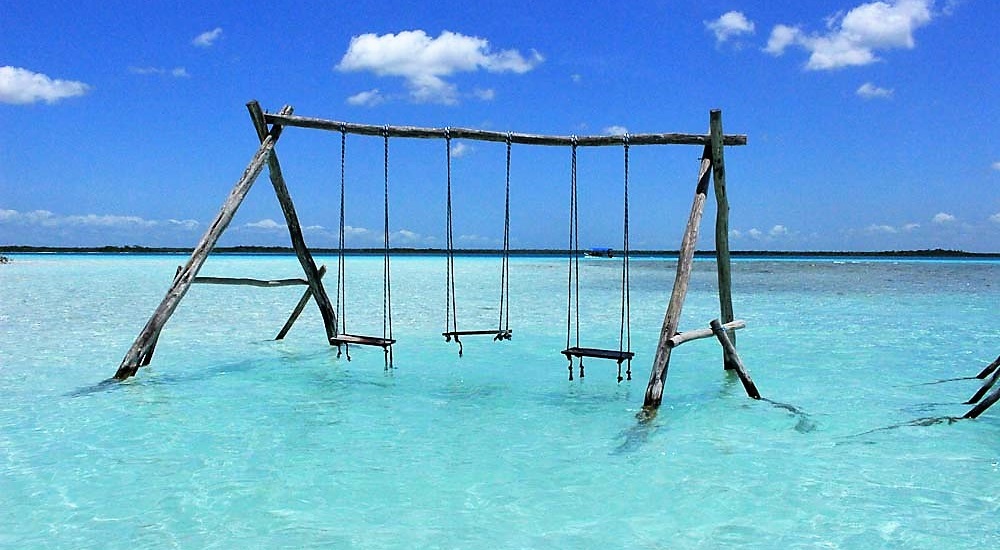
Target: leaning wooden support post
294,229
143,345
698,334
723,265
989,368
990,381
685,259
298,308
734,358
984,404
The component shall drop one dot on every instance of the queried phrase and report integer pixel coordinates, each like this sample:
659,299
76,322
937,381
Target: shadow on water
103,386
943,381
929,421
804,423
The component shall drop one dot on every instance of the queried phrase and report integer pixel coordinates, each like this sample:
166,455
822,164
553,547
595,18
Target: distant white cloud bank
852,39
21,87
425,62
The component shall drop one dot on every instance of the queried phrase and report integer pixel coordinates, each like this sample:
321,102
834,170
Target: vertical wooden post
685,258
142,347
722,228
294,229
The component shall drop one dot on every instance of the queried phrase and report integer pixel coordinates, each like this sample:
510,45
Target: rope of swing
503,326
386,280
341,273
625,332
574,264
450,307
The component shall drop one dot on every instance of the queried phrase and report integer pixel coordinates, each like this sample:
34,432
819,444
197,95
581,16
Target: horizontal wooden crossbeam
486,135
242,281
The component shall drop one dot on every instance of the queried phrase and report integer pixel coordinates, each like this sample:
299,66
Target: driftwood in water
989,368
987,384
141,349
299,307
294,229
501,137
685,259
722,262
734,359
984,404
700,333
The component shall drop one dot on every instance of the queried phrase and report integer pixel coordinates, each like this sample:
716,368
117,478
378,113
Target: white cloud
184,224
996,165
207,39
424,62
176,72
730,24
874,228
20,87
778,231
852,39
911,227
995,218
576,78
871,91
487,94
266,224
615,130
755,233
45,218
460,149
370,98
942,218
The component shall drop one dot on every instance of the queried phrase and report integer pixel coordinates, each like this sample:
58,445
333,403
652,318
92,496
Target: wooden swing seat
613,354
361,340
497,334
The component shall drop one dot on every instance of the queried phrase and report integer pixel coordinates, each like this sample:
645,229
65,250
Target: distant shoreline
280,250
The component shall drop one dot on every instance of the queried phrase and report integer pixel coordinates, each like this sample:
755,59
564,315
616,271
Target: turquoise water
232,440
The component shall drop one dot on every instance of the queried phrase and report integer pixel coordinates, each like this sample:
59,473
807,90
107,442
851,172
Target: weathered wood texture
989,368
685,258
734,358
294,229
244,281
700,333
145,342
723,264
485,135
984,404
298,308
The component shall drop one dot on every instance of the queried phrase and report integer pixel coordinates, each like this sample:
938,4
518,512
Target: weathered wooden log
485,135
147,357
734,358
685,259
243,281
144,342
989,368
299,307
722,262
987,384
294,229
984,404
700,333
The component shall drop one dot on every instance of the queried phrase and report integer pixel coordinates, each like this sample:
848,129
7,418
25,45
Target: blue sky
871,125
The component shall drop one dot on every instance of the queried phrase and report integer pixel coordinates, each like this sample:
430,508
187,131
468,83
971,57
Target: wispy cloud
996,165
207,39
615,130
995,218
370,98
729,25
21,87
460,149
424,62
852,39
871,91
943,218
176,72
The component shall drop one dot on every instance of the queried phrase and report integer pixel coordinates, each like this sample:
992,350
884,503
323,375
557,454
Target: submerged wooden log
734,358
722,261
989,368
700,333
144,342
294,229
685,259
299,307
987,384
502,137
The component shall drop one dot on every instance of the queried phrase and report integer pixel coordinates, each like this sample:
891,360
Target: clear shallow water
231,439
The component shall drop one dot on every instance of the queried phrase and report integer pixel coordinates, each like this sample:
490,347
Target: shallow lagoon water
230,439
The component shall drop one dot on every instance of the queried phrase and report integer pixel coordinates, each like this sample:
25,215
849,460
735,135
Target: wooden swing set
269,127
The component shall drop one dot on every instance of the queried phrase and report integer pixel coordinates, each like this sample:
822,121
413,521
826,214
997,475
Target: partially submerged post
991,373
